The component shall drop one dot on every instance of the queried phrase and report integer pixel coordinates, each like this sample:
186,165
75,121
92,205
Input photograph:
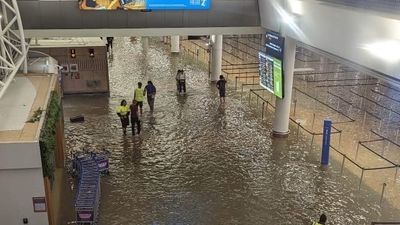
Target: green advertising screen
271,74
271,64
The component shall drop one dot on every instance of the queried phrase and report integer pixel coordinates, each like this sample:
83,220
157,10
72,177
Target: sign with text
271,64
39,204
144,4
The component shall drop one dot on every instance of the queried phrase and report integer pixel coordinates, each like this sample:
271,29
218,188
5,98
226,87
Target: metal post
312,139
344,159
358,147
257,102
241,94
340,139
262,111
236,79
312,125
294,108
249,96
383,191
387,147
395,174
361,179
298,130
365,117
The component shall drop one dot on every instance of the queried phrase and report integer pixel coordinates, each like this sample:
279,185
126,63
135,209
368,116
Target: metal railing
382,223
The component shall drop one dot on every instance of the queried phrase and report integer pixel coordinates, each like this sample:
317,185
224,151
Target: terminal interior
197,160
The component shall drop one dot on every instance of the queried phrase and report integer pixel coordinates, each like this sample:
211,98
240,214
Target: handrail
345,157
379,223
323,103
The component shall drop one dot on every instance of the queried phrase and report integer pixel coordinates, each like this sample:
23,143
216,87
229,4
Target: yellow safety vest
123,110
139,94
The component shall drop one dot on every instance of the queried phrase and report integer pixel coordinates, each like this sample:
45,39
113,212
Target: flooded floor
199,163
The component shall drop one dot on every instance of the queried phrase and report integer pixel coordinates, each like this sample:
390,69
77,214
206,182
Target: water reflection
197,162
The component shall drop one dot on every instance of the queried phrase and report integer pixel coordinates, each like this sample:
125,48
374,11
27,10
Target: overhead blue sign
178,4
274,44
145,5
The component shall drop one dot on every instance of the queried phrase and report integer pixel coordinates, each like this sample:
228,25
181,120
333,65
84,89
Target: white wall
21,178
341,31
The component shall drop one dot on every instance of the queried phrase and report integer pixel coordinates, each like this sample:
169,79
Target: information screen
271,66
144,4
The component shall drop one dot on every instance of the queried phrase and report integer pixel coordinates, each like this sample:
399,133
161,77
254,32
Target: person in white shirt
181,81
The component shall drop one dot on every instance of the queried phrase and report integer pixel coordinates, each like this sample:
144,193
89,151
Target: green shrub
47,140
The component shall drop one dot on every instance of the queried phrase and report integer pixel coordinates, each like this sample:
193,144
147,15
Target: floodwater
199,163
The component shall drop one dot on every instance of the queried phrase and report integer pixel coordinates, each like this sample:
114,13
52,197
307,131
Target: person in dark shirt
135,117
109,43
150,90
221,87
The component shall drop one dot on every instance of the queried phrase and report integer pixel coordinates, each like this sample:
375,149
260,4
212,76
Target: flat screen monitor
144,4
271,64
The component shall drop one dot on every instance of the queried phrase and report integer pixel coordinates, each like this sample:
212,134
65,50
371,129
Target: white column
280,125
216,57
175,44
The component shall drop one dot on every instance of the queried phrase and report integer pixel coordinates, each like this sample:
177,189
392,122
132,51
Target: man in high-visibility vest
139,96
322,220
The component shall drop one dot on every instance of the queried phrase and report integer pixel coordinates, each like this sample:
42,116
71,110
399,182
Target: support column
175,48
280,125
22,36
216,56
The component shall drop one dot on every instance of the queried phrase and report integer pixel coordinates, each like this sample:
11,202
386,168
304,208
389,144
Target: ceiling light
296,7
388,51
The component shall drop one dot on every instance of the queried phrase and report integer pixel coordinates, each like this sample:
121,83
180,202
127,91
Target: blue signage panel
326,142
275,45
178,4
144,4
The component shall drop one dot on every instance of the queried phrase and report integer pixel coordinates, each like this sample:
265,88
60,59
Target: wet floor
199,163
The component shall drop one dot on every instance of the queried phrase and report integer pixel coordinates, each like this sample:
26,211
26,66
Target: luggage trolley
88,167
88,192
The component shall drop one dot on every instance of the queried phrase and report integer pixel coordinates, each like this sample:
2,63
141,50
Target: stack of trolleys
102,161
87,199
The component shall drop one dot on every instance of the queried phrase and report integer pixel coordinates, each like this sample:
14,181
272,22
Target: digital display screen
144,4
271,64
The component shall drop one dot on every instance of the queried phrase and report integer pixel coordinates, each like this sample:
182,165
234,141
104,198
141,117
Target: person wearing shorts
221,87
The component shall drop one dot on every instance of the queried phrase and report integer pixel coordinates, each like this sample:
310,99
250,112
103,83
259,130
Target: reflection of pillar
145,43
216,57
175,44
263,39
282,112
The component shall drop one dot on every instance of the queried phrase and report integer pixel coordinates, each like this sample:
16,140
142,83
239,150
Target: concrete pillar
216,57
175,44
280,125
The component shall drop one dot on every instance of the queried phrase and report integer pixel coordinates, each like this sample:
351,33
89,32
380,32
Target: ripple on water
197,163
